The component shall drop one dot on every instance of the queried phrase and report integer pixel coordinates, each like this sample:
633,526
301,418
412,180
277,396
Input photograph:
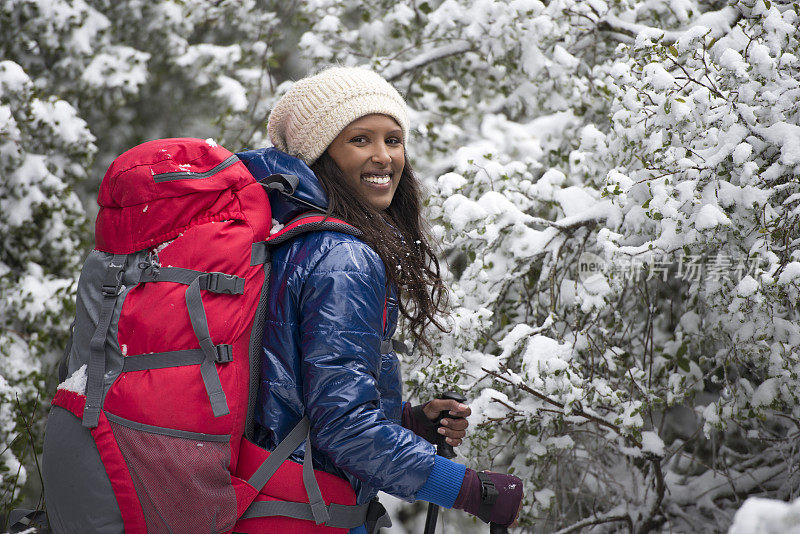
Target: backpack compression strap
333,515
97,357
208,354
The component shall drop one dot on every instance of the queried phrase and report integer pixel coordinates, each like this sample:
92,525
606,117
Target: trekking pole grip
443,448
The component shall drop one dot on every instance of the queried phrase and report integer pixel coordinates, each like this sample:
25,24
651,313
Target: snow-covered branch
719,23
396,70
597,520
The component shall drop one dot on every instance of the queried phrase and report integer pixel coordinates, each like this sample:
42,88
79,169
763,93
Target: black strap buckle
224,283
489,496
224,354
113,279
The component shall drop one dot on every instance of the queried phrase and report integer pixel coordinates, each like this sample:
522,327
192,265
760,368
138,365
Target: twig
575,410
597,521
30,435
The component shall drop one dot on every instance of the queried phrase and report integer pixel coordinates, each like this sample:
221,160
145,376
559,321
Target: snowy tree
81,81
658,143
44,150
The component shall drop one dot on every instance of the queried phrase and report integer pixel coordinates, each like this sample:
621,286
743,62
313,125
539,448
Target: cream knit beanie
312,113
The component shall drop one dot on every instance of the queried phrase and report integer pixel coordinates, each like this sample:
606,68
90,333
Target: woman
336,306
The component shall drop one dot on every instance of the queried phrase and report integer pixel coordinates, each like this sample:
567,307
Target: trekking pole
442,449
494,528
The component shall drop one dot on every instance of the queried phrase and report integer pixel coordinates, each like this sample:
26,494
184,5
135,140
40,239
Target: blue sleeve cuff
443,483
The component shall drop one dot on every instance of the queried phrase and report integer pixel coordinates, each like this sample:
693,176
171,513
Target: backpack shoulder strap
309,221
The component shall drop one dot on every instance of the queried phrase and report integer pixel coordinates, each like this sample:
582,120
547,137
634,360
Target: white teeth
380,179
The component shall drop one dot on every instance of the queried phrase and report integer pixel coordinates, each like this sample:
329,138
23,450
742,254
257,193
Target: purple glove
476,496
416,421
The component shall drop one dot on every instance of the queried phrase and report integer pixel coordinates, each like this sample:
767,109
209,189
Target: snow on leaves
662,139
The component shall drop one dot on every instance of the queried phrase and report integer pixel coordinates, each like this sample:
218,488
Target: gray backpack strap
163,360
340,515
281,453
208,369
316,508
215,282
334,515
97,359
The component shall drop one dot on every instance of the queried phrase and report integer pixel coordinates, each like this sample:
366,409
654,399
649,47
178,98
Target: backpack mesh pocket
181,478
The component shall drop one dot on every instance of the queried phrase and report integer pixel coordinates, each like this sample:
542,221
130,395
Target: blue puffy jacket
322,357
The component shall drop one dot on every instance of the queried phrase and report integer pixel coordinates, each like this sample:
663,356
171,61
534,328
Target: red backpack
149,432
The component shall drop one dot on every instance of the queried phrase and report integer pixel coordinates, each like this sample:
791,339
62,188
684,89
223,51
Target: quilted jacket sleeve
341,328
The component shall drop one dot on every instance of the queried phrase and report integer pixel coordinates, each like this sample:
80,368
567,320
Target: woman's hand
507,504
452,428
421,420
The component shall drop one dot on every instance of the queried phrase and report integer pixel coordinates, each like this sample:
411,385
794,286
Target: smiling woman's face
370,153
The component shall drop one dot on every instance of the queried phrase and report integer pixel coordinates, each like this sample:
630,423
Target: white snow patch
276,227
710,216
767,516
790,273
747,286
76,382
652,443
574,200
765,394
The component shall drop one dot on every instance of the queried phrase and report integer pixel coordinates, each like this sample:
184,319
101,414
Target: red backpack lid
156,190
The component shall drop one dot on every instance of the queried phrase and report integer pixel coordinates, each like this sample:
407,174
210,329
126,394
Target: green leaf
647,203
767,4
673,50
425,8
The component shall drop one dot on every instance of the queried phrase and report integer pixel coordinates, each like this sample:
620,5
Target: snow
575,200
652,443
710,216
120,67
790,273
658,76
671,133
76,382
787,136
276,227
767,516
232,92
734,61
450,182
12,77
747,286
742,152
766,392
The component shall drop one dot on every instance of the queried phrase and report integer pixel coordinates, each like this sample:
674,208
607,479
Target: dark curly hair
401,240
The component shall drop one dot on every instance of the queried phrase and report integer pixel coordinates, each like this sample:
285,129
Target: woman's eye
394,141
358,139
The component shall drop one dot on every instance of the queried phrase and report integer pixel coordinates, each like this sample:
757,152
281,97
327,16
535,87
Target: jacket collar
264,162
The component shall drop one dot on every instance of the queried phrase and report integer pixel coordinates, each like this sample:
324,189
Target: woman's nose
381,154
